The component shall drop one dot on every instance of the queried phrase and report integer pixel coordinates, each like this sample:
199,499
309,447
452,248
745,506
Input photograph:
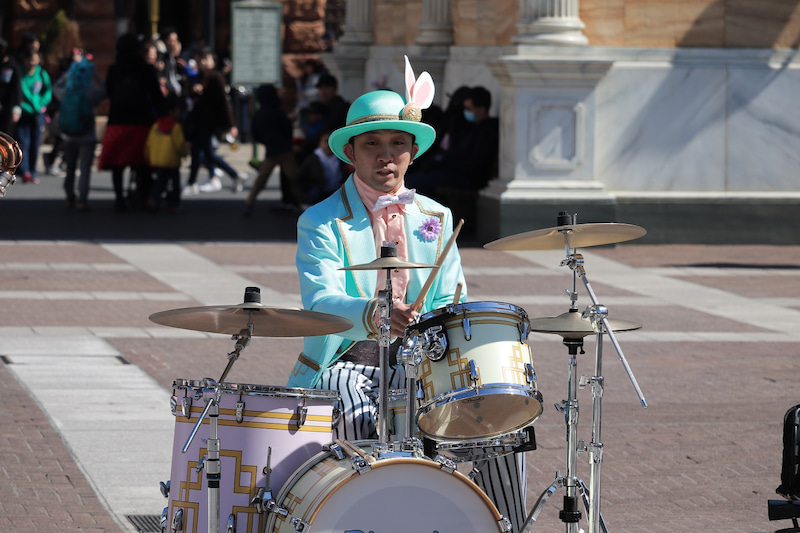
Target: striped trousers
502,479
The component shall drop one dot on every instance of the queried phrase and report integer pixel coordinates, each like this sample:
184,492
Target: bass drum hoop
305,467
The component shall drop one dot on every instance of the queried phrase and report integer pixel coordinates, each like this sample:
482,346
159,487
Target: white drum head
402,496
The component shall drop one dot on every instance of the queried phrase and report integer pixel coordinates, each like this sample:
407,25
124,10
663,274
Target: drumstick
457,295
421,298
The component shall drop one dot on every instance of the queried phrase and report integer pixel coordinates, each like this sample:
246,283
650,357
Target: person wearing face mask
471,160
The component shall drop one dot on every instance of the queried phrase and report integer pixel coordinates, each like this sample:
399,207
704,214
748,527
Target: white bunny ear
410,79
423,91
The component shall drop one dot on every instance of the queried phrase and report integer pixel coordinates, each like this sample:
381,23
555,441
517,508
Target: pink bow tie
386,200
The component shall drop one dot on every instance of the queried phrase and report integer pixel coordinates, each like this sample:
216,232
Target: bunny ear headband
387,110
419,94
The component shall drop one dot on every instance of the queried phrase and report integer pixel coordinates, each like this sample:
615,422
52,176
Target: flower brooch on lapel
430,230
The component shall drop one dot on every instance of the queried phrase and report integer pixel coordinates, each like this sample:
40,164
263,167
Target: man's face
381,158
326,93
174,44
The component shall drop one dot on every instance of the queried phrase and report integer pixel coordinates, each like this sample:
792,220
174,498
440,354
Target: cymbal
387,263
571,325
267,321
574,235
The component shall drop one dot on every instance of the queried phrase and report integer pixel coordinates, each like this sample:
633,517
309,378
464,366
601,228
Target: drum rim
230,387
305,467
501,388
481,306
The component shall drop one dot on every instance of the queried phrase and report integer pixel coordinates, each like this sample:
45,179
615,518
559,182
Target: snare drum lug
163,519
505,525
240,412
173,405
302,413
530,373
177,520
298,524
164,486
447,464
467,332
186,407
473,371
231,524
200,464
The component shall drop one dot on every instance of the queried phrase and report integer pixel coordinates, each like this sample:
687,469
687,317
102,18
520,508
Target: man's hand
402,315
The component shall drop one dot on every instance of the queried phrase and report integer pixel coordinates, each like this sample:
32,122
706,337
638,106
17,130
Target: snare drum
293,423
389,495
477,371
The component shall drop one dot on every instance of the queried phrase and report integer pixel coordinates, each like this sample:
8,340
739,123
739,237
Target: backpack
75,115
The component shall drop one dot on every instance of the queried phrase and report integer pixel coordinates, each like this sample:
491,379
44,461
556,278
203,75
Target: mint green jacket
336,233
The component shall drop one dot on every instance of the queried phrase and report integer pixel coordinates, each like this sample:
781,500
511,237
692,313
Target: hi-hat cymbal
571,325
267,321
574,235
387,263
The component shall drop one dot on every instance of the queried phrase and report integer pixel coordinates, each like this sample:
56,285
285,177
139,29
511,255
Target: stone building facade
675,115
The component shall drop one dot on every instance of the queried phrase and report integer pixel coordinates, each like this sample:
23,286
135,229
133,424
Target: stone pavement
86,377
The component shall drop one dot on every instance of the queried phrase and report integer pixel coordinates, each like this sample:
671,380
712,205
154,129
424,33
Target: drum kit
268,456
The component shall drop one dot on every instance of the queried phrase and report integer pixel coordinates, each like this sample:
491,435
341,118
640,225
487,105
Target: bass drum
399,494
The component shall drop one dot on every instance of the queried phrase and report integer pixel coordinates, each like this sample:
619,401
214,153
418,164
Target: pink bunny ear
423,91
410,79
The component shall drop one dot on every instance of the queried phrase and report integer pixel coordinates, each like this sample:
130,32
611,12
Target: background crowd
169,108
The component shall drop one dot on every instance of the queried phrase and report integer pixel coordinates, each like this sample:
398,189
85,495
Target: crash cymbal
387,263
571,325
267,321
574,235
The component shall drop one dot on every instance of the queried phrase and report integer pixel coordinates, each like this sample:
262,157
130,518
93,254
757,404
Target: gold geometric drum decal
484,385
294,423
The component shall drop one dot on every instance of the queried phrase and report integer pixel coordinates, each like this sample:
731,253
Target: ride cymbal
267,321
574,235
389,263
571,325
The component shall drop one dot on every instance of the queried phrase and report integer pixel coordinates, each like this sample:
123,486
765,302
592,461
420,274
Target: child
165,147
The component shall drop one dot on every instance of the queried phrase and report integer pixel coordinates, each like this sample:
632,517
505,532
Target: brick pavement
705,454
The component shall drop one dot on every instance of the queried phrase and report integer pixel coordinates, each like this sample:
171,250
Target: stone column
547,140
551,22
357,23
348,60
436,28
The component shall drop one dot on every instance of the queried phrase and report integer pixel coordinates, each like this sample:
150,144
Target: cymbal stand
212,464
384,341
598,314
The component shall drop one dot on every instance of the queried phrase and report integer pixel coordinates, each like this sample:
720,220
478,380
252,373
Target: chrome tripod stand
573,326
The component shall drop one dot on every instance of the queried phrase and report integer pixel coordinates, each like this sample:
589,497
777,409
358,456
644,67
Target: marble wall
694,120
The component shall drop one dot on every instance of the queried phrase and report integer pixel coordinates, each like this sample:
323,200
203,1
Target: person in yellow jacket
165,147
